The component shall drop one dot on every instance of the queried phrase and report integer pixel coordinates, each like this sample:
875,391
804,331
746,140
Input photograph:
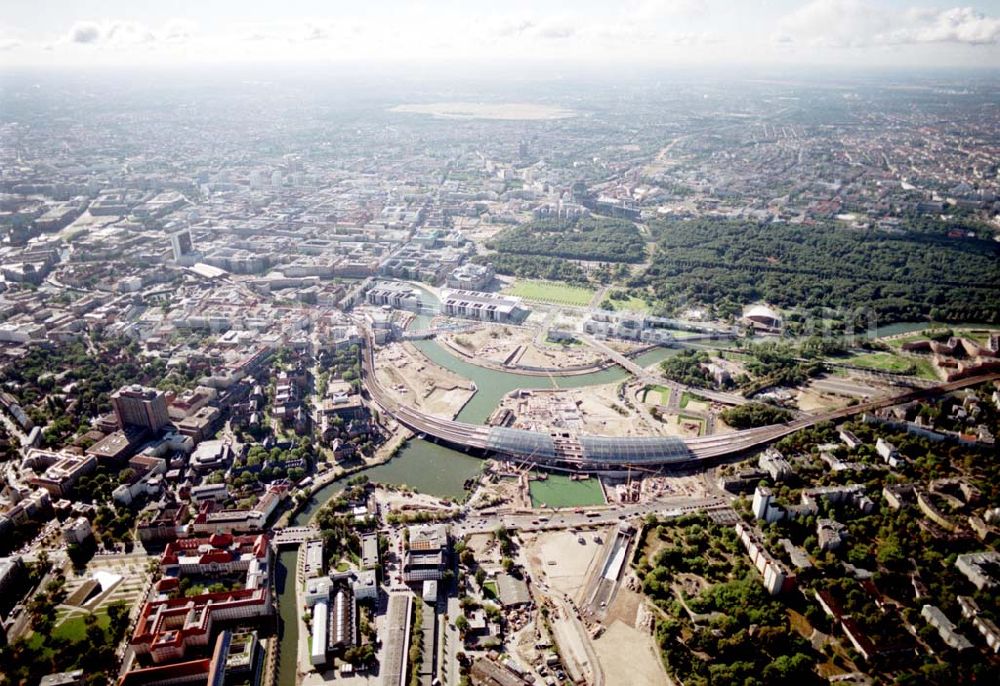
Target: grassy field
561,491
75,629
490,590
883,362
632,304
925,369
551,292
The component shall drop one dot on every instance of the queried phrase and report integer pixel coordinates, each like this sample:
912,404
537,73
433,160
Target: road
575,644
528,522
648,376
451,644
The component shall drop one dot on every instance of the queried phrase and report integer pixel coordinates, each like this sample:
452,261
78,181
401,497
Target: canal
420,465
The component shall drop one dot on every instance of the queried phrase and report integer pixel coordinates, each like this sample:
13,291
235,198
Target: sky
851,33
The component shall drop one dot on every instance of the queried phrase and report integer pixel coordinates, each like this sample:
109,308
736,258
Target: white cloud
127,33
178,30
9,44
314,32
85,32
554,29
512,27
860,23
651,9
957,25
293,32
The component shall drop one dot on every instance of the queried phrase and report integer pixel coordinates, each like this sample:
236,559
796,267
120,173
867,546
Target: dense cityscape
545,381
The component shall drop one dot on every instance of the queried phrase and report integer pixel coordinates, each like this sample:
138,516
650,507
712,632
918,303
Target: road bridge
294,535
648,377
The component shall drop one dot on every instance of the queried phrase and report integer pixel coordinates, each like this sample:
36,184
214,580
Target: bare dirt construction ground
396,501
653,487
507,491
489,343
417,382
814,400
559,356
485,548
588,410
498,344
624,650
670,426
562,561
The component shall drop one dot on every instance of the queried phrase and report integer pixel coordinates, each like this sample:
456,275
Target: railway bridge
563,450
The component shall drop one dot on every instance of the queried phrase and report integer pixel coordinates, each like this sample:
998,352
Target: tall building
181,244
137,405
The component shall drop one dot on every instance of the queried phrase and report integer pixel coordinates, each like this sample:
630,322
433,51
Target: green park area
629,303
897,364
561,491
883,362
74,628
551,292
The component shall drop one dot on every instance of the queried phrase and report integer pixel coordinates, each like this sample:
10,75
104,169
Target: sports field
551,292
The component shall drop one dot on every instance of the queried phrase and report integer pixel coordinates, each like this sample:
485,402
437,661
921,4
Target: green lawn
551,292
561,491
883,362
75,629
925,369
632,304
490,590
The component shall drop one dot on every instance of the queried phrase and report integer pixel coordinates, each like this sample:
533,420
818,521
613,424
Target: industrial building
427,557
